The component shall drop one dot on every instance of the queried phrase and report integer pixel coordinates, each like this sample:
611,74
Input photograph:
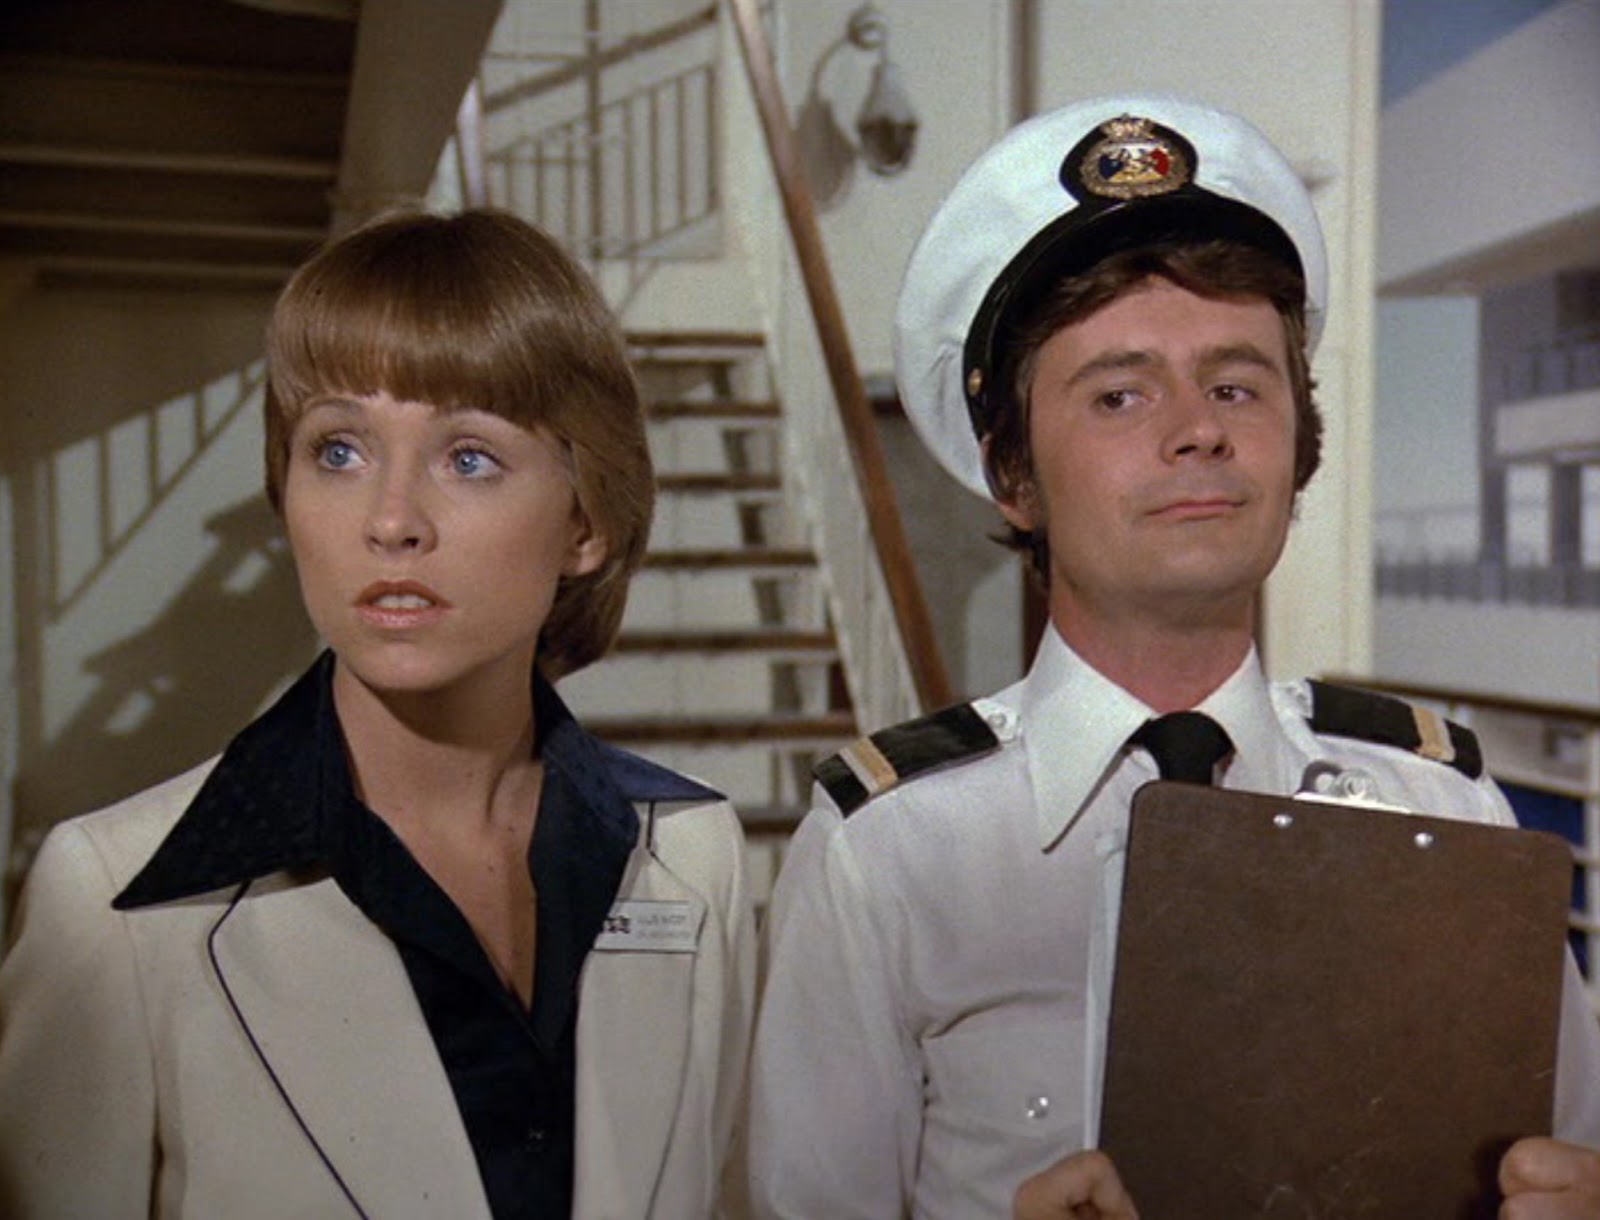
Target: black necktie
1187,746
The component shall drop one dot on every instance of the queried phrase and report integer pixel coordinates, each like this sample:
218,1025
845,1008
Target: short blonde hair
479,310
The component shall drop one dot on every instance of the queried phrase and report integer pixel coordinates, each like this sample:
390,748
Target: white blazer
265,1055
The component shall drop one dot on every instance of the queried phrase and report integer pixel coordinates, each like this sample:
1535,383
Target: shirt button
534,1137
1038,1107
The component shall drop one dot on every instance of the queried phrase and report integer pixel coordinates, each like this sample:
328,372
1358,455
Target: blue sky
1422,38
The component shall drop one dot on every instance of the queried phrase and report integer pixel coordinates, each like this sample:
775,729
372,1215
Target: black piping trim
211,952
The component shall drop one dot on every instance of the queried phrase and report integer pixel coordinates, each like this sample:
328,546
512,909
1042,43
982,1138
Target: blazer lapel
635,1008
326,1000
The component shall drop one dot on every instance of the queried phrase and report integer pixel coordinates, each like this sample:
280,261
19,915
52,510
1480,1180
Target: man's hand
1083,1186
1545,1179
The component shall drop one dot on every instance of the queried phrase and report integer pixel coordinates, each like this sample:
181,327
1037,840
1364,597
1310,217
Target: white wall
952,58
151,607
1321,109
1546,654
1498,157
1425,454
1489,177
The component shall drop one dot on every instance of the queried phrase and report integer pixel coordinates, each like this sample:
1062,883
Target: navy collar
260,810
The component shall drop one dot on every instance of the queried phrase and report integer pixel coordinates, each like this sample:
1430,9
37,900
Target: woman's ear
588,549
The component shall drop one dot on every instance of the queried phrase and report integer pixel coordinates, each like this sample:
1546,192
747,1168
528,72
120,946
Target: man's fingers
1538,1163
1084,1184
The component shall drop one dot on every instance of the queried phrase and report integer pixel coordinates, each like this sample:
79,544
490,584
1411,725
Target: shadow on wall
155,603
973,585
172,693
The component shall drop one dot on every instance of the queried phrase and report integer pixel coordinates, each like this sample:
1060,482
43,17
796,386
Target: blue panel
1422,38
1562,815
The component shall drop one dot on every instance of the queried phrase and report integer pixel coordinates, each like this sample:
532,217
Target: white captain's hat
1056,195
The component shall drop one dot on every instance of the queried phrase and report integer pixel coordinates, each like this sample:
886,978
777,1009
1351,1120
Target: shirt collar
261,808
1243,706
601,772
1076,723
258,810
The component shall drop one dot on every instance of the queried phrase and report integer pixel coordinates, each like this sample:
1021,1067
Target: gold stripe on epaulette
868,764
1434,735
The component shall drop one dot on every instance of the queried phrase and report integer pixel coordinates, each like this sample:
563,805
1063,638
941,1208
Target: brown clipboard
1328,1011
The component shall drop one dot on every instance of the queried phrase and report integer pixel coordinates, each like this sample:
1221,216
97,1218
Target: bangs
478,311
429,310
373,343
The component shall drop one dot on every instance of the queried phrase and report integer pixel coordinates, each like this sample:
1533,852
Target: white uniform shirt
933,1026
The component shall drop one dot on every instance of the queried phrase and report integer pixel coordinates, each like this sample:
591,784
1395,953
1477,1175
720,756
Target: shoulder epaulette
875,764
1344,711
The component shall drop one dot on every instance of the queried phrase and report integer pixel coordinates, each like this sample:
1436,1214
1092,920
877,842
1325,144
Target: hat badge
1134,159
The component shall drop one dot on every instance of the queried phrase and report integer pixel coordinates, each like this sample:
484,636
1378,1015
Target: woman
416,944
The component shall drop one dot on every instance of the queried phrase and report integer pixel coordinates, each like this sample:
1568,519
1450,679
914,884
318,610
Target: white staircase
727,668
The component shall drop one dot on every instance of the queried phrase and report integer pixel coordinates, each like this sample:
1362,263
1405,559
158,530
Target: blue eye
335,455
472,463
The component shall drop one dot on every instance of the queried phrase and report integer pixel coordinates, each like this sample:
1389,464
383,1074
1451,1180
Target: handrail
1572,713
599,61
927,667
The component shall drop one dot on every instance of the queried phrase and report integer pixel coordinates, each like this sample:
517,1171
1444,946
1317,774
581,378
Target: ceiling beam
229,165
414,60
87,222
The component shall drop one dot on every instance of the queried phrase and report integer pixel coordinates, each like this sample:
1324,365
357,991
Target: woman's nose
399,519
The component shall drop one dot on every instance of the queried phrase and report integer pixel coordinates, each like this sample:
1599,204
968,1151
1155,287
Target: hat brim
1083,237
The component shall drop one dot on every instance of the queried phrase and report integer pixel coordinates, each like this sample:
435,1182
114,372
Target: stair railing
621,175
887,633
563,172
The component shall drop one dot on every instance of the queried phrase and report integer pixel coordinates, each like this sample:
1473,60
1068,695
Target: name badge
640,925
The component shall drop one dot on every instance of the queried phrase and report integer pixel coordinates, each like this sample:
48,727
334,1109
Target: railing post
469,147
861,430
592,113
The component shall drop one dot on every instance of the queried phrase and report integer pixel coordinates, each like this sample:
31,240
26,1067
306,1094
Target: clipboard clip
1336,785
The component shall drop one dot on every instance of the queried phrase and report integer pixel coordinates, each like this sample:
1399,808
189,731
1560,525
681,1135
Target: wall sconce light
886,124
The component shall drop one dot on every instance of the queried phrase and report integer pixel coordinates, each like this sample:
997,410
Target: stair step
777,820
731,558
647,339
727,641
725,730
716,482
713,409
671,362
703,391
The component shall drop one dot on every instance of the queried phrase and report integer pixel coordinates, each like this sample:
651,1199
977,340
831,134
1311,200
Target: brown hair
1220,270
479,310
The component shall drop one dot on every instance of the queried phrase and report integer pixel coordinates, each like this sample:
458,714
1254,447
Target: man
1106,328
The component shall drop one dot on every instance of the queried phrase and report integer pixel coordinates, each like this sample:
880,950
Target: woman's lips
400,604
